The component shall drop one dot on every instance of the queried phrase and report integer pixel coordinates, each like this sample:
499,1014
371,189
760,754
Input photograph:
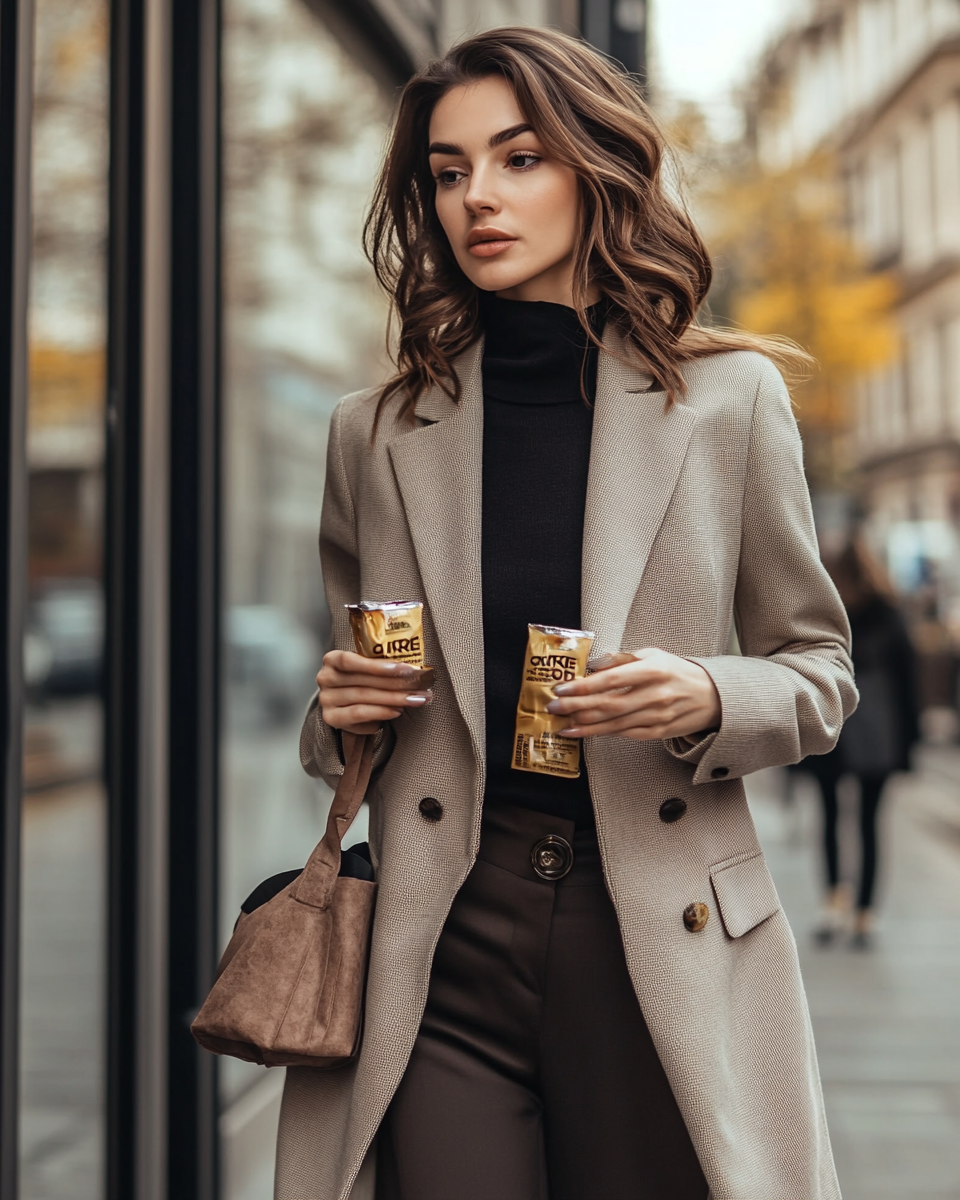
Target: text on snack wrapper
396,647
552,666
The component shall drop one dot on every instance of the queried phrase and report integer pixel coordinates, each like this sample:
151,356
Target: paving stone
885,1020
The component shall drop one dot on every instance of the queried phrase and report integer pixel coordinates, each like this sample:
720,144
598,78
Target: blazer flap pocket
745,893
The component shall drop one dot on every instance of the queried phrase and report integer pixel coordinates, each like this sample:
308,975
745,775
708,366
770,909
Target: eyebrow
505,135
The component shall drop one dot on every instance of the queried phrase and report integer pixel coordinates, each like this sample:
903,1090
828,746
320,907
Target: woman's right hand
358,694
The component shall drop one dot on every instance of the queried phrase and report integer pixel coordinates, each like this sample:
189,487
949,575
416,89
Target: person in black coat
876,740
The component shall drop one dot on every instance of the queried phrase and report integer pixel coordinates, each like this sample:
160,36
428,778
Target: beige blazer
696,517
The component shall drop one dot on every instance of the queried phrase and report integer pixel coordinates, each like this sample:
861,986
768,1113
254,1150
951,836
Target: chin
499,281
492,276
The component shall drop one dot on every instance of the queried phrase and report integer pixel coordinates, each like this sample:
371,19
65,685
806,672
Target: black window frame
16,110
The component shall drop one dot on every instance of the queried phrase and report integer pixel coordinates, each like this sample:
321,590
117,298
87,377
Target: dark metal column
16,97
122,563
194,591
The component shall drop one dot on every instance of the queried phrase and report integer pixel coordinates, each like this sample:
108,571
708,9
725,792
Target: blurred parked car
271,662
63,648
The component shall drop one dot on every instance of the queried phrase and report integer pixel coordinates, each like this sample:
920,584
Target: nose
480,195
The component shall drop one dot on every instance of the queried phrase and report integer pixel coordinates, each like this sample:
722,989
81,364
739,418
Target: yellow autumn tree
788,266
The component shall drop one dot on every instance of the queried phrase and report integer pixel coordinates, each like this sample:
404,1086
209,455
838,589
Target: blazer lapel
636,455
438,470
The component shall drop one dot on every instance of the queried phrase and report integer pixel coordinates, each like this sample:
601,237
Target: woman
874,743
622,1016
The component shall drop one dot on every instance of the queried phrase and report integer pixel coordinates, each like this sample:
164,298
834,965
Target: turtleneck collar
534,351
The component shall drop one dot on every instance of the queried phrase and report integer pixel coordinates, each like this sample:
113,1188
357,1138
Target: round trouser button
552,857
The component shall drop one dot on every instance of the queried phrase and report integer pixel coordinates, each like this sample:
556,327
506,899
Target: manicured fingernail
553,706
573,731
420,699
562,688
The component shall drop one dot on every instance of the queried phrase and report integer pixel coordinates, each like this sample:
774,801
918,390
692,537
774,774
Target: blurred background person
875,742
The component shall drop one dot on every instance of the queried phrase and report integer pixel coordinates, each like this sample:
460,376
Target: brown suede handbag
289,987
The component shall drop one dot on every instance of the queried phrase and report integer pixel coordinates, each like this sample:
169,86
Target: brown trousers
533,1076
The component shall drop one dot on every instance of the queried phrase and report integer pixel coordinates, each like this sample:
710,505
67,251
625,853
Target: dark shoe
833,921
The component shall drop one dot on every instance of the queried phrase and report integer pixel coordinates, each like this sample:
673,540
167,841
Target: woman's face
511,214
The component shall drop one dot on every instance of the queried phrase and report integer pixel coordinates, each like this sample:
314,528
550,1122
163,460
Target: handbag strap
319,878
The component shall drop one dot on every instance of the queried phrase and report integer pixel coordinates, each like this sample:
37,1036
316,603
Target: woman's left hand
656,695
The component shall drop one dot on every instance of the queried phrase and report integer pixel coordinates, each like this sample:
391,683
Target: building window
64,813
303,128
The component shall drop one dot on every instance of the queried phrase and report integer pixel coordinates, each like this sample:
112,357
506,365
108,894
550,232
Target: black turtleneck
536,454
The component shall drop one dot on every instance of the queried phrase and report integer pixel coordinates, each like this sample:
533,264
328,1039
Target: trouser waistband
539,847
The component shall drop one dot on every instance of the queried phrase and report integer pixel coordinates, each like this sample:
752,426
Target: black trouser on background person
871,791
533,1076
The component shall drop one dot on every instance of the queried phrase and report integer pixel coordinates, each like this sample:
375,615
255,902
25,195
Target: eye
449,177
522,161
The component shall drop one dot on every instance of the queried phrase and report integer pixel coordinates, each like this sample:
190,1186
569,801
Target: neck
553,286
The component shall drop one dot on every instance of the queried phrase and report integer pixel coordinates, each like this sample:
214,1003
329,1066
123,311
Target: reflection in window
303,324
63,959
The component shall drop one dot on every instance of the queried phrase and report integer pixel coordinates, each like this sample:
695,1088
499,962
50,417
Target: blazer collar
438,471
637,453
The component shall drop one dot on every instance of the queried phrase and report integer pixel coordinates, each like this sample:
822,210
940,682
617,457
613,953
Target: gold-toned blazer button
695,916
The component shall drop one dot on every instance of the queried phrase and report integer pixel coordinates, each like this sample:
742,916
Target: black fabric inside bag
355,863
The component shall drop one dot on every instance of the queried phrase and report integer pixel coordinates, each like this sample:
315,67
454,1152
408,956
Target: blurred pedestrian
875,742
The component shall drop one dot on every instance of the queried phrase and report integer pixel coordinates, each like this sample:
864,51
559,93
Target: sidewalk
887,1021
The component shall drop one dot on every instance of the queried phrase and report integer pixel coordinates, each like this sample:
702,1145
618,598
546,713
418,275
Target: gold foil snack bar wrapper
553,656
392,630
388,629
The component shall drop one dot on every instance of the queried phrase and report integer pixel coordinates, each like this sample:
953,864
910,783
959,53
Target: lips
485,243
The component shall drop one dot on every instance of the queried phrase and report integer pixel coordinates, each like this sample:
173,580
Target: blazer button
430,809
695,916
672,810
719,772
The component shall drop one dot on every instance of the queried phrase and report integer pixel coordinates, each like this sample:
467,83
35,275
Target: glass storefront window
303,125
64,817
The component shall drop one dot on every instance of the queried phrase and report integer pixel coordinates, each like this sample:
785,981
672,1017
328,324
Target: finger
634,674
621,726
596,716
665,713
619,701
349,663
409,681
591,718
636,699
346,697
359,714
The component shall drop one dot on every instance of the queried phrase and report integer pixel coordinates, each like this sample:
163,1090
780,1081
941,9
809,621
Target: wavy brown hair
639,247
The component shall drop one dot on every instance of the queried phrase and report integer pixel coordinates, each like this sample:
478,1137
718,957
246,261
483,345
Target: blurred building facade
183,300
877,82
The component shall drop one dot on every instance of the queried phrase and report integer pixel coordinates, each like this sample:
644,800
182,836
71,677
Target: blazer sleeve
789,693
320,749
